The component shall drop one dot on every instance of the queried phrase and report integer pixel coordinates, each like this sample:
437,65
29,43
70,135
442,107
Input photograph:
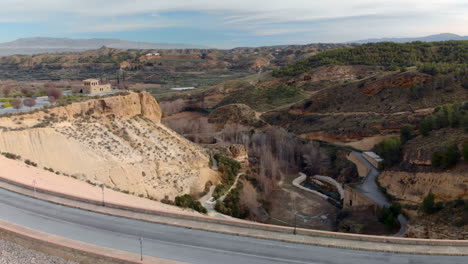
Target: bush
187,201
426,126
30,163
390,151
437,159
465,151
389,215
429,206
11,155
451,156
231,204
229,168
407,133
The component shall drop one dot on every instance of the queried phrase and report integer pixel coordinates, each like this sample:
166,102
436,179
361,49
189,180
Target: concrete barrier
332,239
71,249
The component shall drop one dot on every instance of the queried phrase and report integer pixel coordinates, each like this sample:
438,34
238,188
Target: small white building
373,158
152,54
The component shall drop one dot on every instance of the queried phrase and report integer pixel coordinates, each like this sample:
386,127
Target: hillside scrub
231,204
429,206
446,159
390,151
389,215
392,55
229,169
451,115
188,201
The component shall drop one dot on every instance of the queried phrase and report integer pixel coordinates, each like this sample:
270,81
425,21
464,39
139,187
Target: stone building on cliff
92,86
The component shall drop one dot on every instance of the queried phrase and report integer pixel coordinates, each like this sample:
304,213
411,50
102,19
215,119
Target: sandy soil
20,172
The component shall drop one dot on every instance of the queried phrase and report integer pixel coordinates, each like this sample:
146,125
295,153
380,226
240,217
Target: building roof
91,80
373,155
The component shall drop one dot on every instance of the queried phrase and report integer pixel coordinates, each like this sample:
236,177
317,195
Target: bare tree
51,99
6,90
54,92
17,103
26,91
29,102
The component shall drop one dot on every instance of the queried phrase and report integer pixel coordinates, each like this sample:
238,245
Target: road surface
182,244
371,190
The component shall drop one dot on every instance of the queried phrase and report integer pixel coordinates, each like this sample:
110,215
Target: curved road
182,244
371,190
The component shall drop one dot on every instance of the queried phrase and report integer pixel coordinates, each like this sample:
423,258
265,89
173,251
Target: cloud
335,20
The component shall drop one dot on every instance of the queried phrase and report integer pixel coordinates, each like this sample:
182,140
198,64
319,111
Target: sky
231,23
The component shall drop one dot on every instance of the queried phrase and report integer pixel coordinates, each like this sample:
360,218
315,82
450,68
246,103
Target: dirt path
209,202
417,111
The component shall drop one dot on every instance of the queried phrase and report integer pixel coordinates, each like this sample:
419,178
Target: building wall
94,89
353,200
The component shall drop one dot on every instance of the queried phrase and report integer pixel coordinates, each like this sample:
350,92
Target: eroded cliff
117,141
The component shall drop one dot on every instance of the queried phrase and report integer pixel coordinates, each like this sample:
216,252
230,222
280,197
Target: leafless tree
29,102
6,90
17,103
54,92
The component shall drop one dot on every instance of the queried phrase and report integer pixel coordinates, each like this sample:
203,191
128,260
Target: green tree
465,151
428,205
451,156
406,133
426,126
437,159
390,151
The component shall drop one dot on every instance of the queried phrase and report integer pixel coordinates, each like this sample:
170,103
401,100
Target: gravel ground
11,253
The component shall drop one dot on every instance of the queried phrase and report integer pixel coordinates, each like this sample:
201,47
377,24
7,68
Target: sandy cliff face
117,141
413,187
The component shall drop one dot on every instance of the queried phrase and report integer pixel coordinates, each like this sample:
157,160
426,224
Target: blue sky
226,24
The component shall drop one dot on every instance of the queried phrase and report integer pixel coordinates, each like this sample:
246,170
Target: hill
431,38
117,141
30,46
199,68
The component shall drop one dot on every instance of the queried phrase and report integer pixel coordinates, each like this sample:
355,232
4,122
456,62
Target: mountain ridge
430,38
35,45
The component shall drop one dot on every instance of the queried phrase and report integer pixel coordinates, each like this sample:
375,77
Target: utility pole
295,216
141,248
34,184
102,188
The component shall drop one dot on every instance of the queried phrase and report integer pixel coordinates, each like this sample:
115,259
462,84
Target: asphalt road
369,188
182,244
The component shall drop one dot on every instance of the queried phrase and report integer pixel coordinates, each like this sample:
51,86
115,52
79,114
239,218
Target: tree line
389,54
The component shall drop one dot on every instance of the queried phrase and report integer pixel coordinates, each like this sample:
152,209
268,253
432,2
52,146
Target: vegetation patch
188,201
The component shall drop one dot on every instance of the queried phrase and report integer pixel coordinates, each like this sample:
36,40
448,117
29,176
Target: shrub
30,163
465,151
389,215
11,155
426,126
429,206
451,156
407,133
187,201
390,151
436,160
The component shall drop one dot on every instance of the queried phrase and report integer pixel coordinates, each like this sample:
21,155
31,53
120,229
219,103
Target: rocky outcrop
404,80
125,106
419,228
412,187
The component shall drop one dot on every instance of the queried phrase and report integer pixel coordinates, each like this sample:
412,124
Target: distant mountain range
29,46
437,37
